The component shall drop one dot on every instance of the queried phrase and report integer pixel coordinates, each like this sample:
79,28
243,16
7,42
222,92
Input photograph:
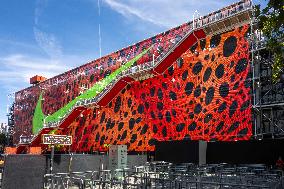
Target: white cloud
45,40
39,8
48,43
18,45
19,68
165,13
21,61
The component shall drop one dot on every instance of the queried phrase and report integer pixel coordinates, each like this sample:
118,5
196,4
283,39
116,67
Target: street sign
56,139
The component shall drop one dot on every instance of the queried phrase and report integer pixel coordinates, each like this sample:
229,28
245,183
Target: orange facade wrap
204,95
10,150
34,150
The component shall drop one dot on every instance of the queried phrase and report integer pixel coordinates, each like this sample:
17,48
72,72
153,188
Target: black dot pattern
241,65
224,90
209,95
207,74
197,68
215,41
192,126
180,127
219,72
229,46
188,88
203,96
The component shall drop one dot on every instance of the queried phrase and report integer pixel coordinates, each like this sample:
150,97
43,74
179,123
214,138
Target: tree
3,139
271,22
3,142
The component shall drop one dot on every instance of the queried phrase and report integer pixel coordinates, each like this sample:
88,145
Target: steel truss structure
268,96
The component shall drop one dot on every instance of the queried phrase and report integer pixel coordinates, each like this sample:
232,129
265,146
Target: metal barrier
1,176
165,175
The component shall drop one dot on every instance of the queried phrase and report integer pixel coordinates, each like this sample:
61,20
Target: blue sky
48,37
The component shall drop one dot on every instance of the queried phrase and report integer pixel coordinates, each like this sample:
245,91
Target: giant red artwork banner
60,90
204,95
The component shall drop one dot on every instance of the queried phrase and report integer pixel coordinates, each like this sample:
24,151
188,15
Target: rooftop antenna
100,37
196,15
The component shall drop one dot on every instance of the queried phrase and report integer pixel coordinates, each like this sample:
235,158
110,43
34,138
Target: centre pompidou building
192,82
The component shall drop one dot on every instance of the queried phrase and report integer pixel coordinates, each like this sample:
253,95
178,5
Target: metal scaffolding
267,96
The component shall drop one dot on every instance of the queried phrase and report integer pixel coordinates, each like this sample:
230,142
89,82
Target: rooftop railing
223,13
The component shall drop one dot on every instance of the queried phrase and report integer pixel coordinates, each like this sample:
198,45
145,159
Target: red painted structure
199,90
173,56
121,84
166,62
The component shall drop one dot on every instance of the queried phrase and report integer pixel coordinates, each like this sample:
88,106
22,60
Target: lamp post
51,158
51,139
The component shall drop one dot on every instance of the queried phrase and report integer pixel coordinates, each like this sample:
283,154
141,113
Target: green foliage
271,22
3,139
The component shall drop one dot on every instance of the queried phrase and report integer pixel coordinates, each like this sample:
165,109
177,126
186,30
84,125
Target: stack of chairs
164,175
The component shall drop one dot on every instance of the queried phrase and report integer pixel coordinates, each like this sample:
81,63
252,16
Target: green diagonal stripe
39,117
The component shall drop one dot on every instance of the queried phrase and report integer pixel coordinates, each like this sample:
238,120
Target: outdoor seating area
168,175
